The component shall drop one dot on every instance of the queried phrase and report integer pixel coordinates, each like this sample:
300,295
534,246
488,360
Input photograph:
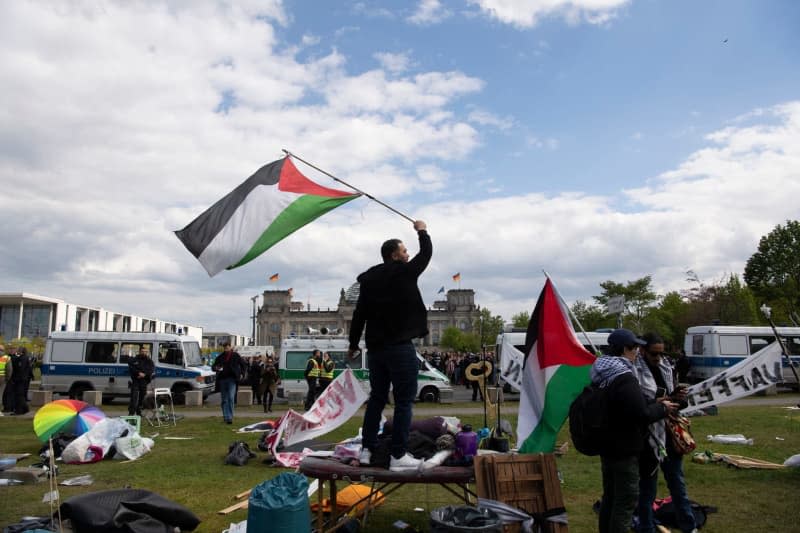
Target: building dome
351,295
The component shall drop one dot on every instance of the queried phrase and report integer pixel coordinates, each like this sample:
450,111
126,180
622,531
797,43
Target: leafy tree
488,326
669,320
455,339
773,272
591,317
731,303
521,319
639,299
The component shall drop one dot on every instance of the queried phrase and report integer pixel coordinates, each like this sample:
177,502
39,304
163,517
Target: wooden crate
525,481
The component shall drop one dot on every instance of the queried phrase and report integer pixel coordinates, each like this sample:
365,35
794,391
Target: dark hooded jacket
389,302
629,413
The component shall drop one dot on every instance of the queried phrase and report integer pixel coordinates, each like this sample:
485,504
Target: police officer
325,372
4,360
142,370
312,373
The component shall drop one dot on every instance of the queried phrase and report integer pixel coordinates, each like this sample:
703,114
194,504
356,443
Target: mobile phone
661,392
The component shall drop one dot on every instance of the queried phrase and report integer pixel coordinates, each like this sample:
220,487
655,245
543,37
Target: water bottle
466,442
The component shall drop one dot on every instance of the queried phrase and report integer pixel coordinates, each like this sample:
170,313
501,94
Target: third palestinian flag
271,204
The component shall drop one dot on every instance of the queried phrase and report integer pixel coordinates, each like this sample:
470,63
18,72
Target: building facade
29,315
279,317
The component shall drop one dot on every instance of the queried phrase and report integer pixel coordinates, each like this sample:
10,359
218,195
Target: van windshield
192,355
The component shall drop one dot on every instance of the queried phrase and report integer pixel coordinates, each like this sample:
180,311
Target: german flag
457,276
274,277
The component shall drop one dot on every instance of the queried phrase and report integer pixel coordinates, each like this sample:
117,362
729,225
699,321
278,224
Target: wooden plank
244,504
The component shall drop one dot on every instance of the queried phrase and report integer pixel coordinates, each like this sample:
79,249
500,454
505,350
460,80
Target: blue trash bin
280,505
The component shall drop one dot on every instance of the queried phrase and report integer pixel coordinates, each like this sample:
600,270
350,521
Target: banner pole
387,206
768,313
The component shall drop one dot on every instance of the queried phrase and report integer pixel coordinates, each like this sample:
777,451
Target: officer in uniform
312,373
142,370
325,372
4,359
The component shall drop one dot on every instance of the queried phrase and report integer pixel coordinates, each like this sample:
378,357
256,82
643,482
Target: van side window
170,353
759,342
733,345
792,344
297,360
697,345
101,352
129,350
66,352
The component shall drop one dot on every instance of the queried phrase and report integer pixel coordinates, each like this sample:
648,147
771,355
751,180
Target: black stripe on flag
201,231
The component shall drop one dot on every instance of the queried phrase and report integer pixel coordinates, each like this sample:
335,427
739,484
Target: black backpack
588,421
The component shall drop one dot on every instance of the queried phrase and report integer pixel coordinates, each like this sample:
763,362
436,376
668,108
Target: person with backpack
656,380
628,417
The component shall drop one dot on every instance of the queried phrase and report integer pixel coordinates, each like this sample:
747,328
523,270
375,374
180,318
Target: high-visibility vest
327,369
314,372
4,359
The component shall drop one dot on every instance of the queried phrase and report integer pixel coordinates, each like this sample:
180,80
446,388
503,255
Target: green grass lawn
192,473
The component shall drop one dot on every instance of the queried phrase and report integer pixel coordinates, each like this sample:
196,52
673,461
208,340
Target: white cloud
485,118
528,13
394,63
429,12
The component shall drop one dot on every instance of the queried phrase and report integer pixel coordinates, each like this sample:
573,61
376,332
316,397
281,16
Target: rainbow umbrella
69,416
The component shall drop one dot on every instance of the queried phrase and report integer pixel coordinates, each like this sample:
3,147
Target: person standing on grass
228,366
141,370
656,380
391,308
628,417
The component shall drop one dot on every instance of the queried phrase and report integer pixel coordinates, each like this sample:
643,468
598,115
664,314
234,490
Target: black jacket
389,302
144,365
629,416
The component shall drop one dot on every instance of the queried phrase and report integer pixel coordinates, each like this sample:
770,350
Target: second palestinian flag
270,205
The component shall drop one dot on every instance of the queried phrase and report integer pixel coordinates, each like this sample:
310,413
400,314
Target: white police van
78,361
432,385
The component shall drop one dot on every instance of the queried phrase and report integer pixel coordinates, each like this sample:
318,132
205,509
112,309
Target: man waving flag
556,370
270,205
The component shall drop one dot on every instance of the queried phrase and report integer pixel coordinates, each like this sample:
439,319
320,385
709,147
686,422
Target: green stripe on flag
562,388
299,213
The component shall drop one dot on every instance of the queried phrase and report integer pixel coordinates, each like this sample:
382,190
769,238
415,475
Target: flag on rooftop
556,370
274,277
268,206
441,290
457,276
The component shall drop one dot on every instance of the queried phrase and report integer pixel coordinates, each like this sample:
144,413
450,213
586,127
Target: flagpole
387,206
594,348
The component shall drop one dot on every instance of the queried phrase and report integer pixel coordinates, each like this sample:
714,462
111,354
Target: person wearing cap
628,417
655,378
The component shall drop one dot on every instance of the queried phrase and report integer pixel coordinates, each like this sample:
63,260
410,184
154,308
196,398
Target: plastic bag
465,518
133,446
730,439
238,454
793,461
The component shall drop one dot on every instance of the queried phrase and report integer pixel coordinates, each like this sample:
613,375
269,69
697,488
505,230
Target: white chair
162,416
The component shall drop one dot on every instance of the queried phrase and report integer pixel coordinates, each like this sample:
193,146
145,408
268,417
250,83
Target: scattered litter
178,438
51,496
739,461
792,461
730,439
80,480
241,527
779,438
8,482
419,509
399,524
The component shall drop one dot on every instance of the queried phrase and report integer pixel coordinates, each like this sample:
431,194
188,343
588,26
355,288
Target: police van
713,349
510,360
432,385
78,361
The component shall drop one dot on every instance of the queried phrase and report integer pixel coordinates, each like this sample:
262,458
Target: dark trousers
268,397
395,366
312,392
476,390
8,397
672,466
138,392
20,398
620,493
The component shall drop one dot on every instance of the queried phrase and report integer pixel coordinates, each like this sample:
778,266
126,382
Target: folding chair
162,399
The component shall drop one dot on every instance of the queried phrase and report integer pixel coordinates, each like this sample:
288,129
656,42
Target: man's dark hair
651,339
388,248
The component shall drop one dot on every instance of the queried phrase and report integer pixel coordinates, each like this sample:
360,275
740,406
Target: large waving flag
556,370
270,205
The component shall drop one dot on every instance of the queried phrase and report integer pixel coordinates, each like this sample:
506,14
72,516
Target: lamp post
254,299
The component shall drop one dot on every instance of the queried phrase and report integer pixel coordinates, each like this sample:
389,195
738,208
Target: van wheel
76,392
429,394
179,395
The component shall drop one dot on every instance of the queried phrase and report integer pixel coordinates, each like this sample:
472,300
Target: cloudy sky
595,139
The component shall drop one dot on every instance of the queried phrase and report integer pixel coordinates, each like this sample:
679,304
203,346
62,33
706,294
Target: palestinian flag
556,370
270,205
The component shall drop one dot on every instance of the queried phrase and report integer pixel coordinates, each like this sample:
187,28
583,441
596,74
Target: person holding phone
657,383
